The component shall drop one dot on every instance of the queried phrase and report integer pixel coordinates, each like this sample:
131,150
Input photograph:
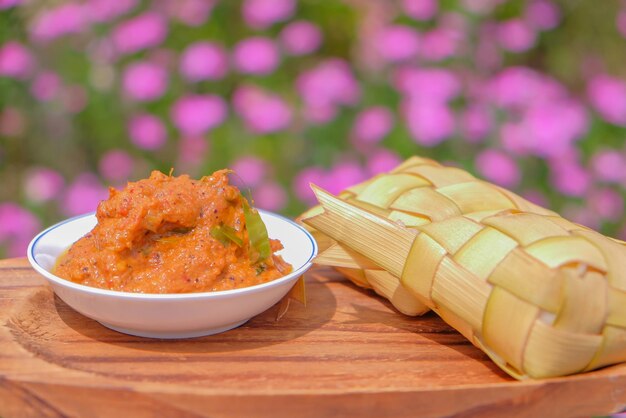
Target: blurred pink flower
438,44
17,226
256,55
609,166
147,131
607,203
520,86
261,111
431,84
542,14
498,168
514,138
261,14
83,195
190,12
270,196
325,86
14,220
420,9
476,123
302,181
546,130
12,122
116,166
397,43
144,31
203,61
570,178
192,151
552,127
43,184
144,81
300,38
15,60
514,86
343,175
372,125
65,19
106,10
429,119
7,4
45,86
429,122
382,161
516,36
608,97
249,171
196,114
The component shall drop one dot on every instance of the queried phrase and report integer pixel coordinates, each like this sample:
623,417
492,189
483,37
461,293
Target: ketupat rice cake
428,182
542,296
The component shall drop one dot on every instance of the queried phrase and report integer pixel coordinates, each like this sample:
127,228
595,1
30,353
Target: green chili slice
226,234
231,233
257,233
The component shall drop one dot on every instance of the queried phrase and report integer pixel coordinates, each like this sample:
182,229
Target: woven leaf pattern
413,194
542,296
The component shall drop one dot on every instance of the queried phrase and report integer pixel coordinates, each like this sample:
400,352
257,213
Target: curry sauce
169,234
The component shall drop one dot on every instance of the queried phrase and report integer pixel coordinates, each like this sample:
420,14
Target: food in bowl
168,234
170,315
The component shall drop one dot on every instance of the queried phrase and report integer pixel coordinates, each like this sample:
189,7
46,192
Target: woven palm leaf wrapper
424,177
542,296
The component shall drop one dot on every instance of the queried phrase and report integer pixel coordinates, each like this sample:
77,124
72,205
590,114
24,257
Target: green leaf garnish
231,233
257,233
226,234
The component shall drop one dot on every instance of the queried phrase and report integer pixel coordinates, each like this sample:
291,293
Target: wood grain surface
347,353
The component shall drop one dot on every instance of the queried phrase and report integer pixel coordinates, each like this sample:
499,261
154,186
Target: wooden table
348,353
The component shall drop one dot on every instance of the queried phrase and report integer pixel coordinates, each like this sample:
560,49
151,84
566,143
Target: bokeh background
527,94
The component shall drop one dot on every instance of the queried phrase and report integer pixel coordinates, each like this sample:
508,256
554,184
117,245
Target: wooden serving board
348,353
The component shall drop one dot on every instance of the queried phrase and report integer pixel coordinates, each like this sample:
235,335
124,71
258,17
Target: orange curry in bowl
169,234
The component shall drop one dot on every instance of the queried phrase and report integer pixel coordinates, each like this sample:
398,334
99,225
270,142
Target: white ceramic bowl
183,315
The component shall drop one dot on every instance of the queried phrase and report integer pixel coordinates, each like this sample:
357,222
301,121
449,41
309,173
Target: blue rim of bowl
164,296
